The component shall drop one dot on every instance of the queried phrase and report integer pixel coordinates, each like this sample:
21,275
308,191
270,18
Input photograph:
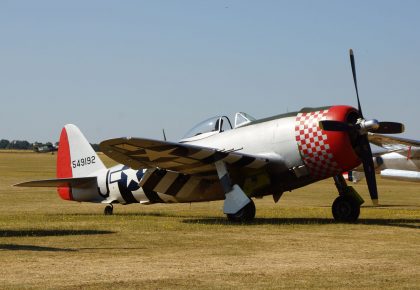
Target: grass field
49,243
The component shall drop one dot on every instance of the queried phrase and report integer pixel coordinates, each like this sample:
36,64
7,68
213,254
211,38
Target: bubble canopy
209,127
215,125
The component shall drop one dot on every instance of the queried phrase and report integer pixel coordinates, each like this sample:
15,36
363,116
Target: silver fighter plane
223,160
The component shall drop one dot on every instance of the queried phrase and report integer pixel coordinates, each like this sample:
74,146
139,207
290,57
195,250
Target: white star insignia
131,176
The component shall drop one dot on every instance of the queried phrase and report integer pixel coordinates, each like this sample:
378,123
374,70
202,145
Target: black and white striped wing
180,157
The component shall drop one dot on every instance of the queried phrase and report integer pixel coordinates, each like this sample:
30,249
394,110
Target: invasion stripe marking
232,158
152,196
128,197
153,180
180,151
257,163
146,176
166,182
202,154
167,198
244,161
188,188
190,167
205,168
215,157
175,187
185,160
126,194
107,185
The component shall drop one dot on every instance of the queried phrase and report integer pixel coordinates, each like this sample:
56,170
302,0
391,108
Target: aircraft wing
180,157
396,144
392,143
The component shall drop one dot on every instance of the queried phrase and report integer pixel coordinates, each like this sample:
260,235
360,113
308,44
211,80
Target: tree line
36,146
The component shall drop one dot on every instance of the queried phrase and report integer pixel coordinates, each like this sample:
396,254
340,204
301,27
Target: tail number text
83,161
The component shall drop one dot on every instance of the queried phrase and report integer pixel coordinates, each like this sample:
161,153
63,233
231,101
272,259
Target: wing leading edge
389,142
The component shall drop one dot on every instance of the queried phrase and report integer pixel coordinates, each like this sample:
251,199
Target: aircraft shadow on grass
403,223
50,233
15,247
133,214
44,233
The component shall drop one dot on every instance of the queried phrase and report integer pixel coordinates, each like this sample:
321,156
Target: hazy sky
131,68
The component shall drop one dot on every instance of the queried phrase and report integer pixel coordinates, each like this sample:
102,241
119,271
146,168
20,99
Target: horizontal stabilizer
69,182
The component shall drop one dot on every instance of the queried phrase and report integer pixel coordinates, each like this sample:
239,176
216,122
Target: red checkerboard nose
324,153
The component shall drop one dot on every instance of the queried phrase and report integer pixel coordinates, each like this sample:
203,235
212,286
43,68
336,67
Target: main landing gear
346,207
108,209
238,207
246,214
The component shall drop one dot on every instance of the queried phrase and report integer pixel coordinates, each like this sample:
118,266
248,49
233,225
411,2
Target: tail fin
75,158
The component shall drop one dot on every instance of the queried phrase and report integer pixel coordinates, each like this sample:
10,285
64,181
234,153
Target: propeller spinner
359,129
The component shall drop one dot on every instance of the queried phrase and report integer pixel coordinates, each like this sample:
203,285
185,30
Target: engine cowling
326,153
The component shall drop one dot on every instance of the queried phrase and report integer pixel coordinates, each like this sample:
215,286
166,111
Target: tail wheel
345,209
246,214
108,209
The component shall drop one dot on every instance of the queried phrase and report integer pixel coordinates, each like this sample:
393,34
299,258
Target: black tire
246,214
108,210
345,209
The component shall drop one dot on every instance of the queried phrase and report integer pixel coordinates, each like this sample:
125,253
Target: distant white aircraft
400,161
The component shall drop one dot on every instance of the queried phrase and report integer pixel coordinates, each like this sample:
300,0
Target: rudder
75,158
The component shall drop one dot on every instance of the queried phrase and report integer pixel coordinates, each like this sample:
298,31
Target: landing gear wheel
108,209
246,214
345,209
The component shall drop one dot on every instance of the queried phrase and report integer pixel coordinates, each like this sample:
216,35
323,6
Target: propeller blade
331,125
369,168
353,70
389,128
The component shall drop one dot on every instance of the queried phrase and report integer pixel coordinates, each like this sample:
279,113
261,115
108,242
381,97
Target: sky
131,68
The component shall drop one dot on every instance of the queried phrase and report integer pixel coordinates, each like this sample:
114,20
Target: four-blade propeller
360,129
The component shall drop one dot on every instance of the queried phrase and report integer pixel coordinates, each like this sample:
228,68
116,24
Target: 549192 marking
83,161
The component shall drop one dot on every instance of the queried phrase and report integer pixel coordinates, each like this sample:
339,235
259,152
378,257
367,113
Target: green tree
4,143
20,144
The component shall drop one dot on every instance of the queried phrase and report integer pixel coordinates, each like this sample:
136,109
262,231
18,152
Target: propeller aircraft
218,161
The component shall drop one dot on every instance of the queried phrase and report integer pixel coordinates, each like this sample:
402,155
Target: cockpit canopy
242,118
216,125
